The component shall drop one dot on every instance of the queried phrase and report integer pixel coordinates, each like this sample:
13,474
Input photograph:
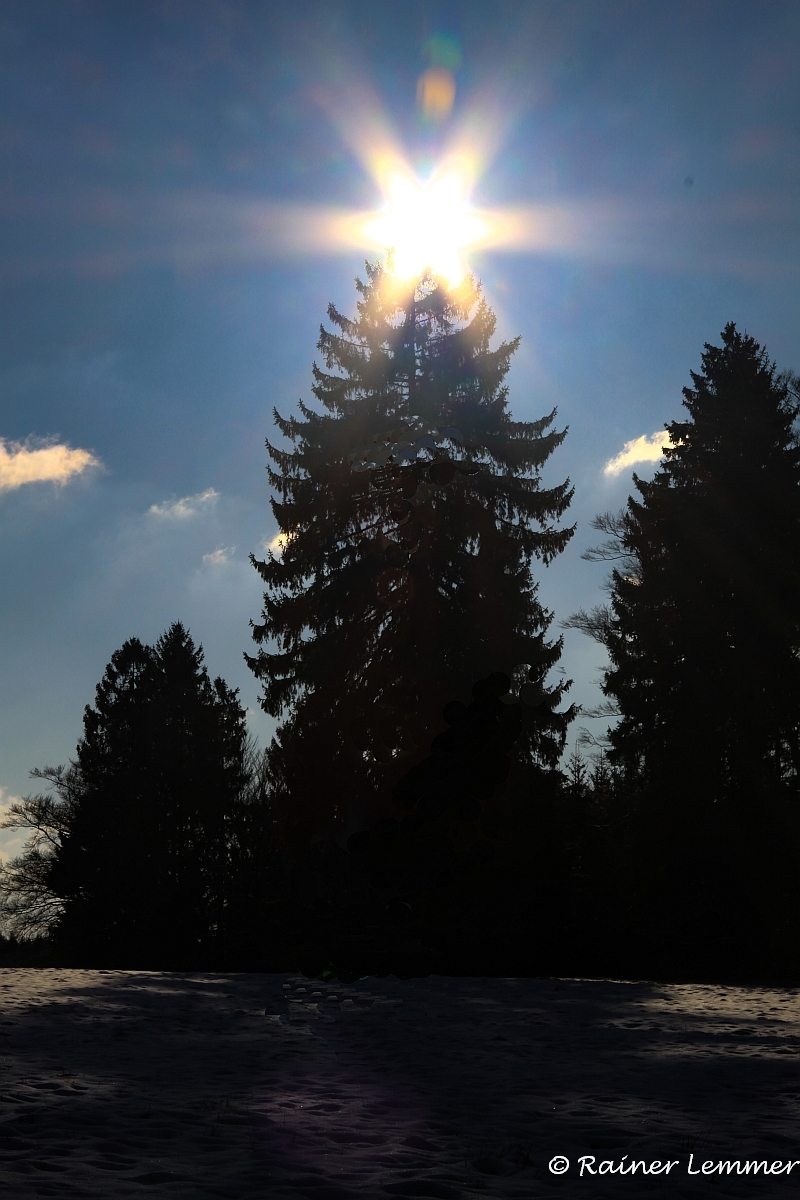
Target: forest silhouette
414,812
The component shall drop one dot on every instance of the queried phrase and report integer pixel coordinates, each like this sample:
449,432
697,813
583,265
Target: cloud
50,463
640,450
6,801
277,545
12,841
187,506
218,557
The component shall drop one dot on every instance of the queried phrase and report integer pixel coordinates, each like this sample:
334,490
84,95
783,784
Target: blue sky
152,313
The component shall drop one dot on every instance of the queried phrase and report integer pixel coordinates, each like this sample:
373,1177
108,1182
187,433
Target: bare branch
608,708
595,624
613,550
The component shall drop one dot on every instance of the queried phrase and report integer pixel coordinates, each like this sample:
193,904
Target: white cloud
5,802
12,841
640,450
277,545
219,557
49,463
187,506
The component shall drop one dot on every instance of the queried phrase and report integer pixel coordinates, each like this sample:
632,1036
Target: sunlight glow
278,544
428,226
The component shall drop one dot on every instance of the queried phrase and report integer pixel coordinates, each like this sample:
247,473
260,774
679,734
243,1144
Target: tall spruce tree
410,509
703,629
703,637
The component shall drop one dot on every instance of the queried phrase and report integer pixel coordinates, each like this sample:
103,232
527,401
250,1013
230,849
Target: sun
427,226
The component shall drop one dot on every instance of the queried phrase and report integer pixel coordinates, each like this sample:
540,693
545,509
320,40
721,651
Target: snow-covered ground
150,1084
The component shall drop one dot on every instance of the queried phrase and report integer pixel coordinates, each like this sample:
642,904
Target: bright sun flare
428,227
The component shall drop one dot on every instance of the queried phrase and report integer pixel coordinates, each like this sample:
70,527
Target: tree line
414,811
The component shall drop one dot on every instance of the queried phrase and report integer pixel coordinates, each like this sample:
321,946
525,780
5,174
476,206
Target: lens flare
427,227
436,93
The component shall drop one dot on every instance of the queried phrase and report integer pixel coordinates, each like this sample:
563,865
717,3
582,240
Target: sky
169,175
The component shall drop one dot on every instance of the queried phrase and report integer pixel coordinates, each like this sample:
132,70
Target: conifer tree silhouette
703,636
130,861
703,629
410,509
